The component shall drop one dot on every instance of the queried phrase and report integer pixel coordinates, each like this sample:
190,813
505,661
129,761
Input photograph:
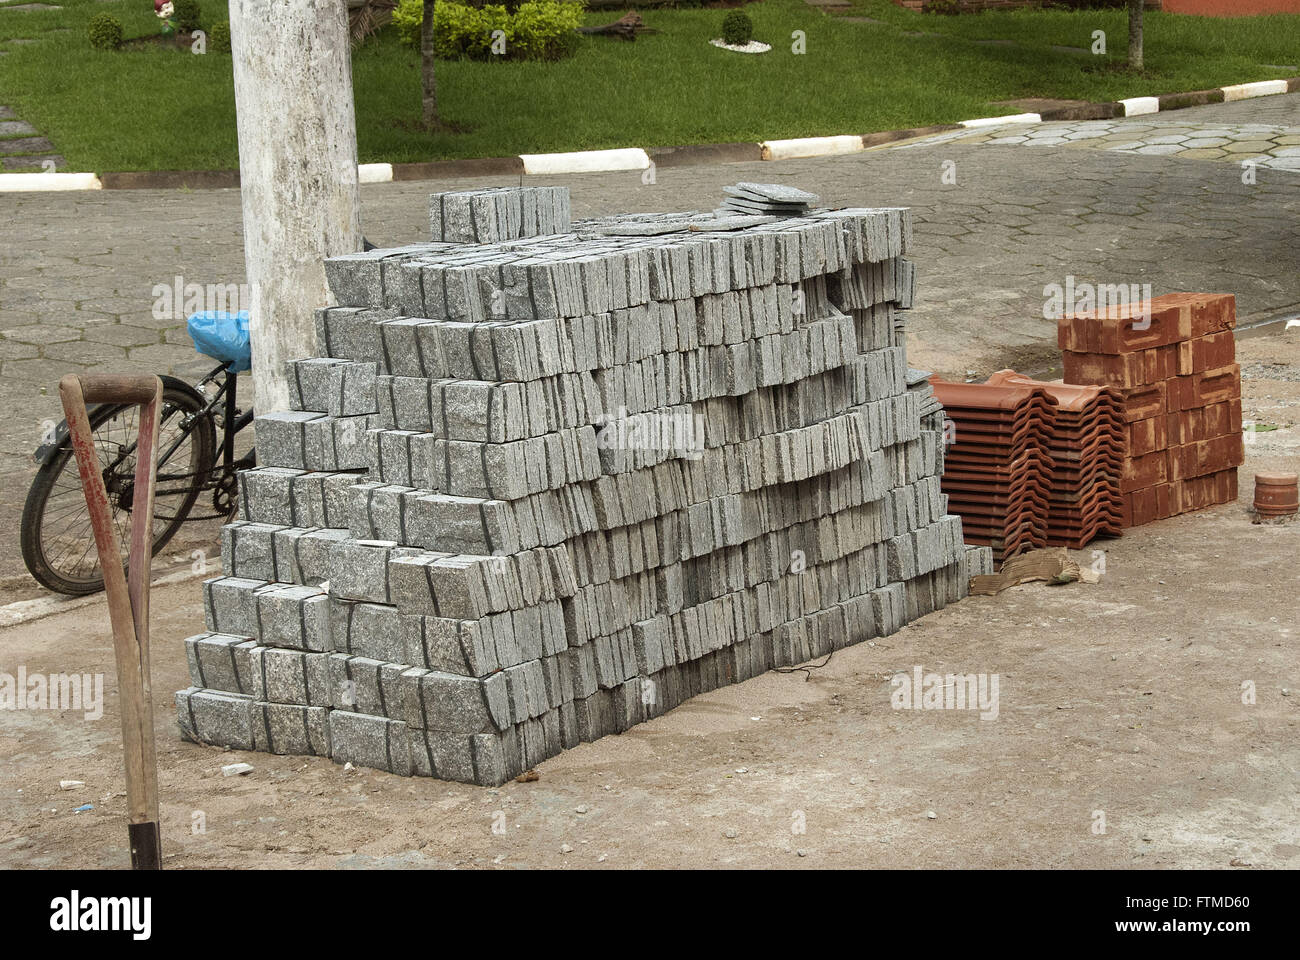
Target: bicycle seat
222,336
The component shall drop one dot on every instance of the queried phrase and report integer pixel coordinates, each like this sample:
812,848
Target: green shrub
219,37
537,30
186,14
546,30
737,28
105,32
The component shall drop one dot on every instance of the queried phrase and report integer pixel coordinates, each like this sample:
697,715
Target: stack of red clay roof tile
998,471
1172,359
1087,448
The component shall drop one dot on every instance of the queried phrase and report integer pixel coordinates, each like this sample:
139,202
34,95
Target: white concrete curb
1137,106
31,182
375,173
1261,88
803,147
997,121
585,161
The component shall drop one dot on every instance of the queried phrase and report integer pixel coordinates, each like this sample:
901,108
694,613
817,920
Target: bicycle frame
232,421
225,466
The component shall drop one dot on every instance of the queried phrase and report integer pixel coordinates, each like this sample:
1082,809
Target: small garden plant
105,32
219,37
737,28
187,15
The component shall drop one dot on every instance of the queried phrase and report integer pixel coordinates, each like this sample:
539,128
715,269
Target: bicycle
57,545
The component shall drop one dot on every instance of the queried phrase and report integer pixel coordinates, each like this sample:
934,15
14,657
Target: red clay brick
1145,471
1204,423
1207,353
1213,352
1146,436
1219,420
1205,457
1226,483
1144,402
1125,329
1202,492
1202,389
1212,312
1140,507
1168,500
1174,317
1125,370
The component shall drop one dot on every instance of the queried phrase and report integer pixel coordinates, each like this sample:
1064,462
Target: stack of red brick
997,469
1172,360
1087,449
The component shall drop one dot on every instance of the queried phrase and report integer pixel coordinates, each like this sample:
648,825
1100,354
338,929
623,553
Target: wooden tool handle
109,388
128,600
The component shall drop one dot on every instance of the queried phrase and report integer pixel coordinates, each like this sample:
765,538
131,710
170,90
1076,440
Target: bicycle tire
178,398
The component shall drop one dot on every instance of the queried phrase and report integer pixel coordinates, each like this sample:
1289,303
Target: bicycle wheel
57,543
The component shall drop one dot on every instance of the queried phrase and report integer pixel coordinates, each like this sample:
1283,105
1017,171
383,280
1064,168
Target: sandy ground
1120,702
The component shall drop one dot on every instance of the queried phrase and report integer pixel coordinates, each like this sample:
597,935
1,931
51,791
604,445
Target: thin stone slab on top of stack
542,486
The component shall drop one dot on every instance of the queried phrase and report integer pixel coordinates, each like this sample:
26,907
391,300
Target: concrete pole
298,171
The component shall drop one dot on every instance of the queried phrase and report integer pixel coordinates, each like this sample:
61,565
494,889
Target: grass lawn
171,110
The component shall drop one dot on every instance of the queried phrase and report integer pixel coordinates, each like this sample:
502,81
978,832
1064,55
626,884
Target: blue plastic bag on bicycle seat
222,336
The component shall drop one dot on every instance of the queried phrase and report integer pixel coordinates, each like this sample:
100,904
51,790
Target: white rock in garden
754,46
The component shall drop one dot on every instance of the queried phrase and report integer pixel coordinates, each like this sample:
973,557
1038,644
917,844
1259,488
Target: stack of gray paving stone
546,480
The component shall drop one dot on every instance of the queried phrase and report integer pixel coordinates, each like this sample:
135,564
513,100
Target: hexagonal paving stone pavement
1264,132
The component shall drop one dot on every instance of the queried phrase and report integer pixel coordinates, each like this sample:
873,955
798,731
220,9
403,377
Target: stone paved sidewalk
78,270
1269,136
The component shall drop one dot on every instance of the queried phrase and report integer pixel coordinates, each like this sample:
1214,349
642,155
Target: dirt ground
1120,701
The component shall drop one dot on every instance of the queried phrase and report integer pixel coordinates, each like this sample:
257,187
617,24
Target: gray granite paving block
230,605
471,648
456,704
373,630
295,617
366,685
349,333
498,214
309,383
292,730
248,549
221,719
282,437
302,555
774,192
377,511
448,756
221,662
351,389
264,494
292,676
354,279
333,443
368,741
359,569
